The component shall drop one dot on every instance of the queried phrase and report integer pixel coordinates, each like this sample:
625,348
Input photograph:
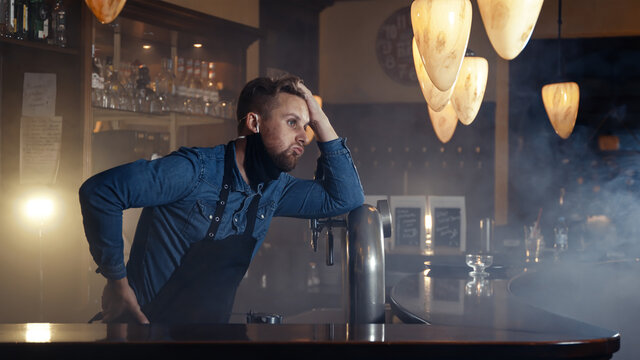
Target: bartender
206,211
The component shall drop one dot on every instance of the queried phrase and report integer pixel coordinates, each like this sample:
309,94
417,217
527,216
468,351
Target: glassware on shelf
479,263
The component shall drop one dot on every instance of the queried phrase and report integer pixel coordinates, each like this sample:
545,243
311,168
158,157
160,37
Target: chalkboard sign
408,222
446,227
449,224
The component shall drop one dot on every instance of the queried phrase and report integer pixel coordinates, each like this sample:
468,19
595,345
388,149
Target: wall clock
393,47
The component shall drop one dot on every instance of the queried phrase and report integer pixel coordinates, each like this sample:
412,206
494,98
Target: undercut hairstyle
258,96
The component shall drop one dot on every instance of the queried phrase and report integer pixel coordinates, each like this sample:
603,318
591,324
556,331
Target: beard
285,160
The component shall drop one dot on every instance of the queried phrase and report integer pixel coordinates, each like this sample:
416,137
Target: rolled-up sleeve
335,191
142,183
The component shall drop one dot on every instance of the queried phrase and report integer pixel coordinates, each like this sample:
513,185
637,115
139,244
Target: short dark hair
258,94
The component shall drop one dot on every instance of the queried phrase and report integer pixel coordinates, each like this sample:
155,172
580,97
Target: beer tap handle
329,259
315,230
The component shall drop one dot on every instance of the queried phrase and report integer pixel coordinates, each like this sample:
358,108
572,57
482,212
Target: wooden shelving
39,46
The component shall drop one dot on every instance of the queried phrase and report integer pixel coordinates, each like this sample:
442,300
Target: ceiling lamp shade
435,98
444,122
105,10
561,103
509,24
441,29
469,89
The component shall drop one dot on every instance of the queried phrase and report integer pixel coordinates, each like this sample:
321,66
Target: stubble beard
285,160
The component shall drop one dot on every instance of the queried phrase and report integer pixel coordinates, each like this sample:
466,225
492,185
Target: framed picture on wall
449,224
408,233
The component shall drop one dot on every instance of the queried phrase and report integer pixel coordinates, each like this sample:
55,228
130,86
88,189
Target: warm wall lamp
509,24
470,87
105,10
435,98
441,29
561,99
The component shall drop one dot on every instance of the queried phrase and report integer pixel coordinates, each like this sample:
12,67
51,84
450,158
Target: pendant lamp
561,99
444,122
470,86
435,98
105,10
441,29
509,24
561,103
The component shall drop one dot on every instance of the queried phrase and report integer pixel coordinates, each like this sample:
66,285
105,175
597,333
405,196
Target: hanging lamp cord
560,62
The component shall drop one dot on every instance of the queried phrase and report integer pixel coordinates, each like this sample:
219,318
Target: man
207,210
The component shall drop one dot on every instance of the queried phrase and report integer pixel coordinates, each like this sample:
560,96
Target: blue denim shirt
179,193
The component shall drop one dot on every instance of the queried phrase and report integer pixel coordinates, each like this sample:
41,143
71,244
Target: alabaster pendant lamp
105,10
509,24
561,99
444,122
441,29
561,103
436,99
470,87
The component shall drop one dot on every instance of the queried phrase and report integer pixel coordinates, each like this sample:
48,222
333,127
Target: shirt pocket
263,218
199,220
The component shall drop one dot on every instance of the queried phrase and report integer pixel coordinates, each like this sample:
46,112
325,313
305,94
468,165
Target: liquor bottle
59,24
195,87
188,100
181,89
9,15
98,97
37,16
211,91
165,85
21,12
212,83
4,17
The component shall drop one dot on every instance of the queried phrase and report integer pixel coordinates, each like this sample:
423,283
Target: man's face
283,131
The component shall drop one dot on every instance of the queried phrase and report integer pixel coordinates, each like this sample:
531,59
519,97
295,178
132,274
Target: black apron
202,289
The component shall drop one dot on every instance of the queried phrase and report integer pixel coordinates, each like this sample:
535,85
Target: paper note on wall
39,95
40,139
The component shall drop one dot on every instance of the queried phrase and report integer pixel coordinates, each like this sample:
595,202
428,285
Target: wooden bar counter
433,315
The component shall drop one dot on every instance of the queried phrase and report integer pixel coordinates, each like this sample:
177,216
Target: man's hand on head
118,298
318,120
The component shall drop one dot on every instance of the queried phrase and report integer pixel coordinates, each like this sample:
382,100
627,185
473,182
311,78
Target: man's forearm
324,131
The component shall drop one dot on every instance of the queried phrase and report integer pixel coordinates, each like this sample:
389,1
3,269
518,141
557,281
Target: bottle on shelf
142,102
211,90
98,97
38,20
195,87
6,15
21,11
165,84
59,24
188,92
181,90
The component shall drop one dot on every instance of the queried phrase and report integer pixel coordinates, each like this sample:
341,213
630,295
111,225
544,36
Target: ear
253,122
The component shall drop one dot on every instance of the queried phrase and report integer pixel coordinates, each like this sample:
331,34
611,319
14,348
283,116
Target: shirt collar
238,183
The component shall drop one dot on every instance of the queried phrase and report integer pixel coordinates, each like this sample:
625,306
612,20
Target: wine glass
479,262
